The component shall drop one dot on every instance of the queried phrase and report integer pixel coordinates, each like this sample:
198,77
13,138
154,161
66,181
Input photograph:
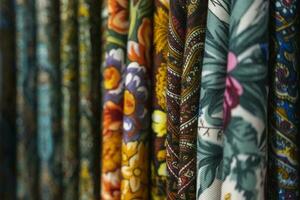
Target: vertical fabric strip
113,91
210,121
90,62
159,115
245,102
70,90
27,157
283,168
49,99
137,93
189,97
176,39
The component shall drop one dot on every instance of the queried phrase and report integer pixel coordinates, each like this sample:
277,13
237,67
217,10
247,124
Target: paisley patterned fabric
90,63
176,39
70,90
189,97
136,120
28,162
210,121
49,99
245,101
113,91
283,171
159,115
7,100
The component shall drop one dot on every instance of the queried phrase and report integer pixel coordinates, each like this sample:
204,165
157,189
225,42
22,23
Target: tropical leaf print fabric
149,99
283,163
245,101
210,121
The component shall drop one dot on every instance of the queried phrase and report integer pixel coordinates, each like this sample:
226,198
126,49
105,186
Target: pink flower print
233,89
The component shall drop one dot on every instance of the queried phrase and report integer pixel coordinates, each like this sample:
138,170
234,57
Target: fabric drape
283,136
159,115
70,92
245,101
27,70
136,119
210,121
49,100
113,91
89,63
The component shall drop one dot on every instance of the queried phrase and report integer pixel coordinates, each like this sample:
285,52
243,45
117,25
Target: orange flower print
112,78
112,117
111,156
129,103
118,16
140,52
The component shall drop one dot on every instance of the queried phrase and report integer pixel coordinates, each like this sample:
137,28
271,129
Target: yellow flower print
112,78
83,11
111,157
161,20
162,170
160,85
159,124
129,103
134,169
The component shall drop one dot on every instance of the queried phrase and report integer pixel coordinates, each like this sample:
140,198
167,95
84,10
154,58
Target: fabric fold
210,120
113,91
245,101
283,149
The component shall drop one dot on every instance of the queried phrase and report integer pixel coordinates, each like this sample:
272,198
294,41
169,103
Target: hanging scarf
245,101
70,89
176,38
190,90
113,84
28,162
283,179
49,99
210,121
90,62
136,121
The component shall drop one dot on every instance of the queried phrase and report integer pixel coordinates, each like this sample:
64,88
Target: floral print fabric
113,92
283,171
159,115
245,101
136,119
210,121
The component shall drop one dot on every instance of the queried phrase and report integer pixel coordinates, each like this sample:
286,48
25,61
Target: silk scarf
70,92
210,121
245,101
113,84
283,168
159,115
136,120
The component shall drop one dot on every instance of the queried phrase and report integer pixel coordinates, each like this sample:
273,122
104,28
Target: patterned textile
49,99
210,121
136,120
245,101
176,39
159,116
27,159
70,90
90,63
190,90
113,90
283,171
7,100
